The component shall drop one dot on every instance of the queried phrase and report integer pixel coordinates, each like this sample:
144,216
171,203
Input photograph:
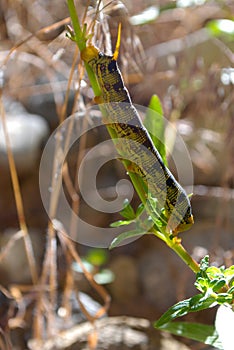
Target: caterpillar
137,144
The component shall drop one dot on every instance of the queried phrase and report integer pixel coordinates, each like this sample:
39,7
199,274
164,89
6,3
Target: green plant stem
80,39
138,183
183,254
76,25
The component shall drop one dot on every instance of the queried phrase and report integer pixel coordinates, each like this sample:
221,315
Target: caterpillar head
184,224
90,53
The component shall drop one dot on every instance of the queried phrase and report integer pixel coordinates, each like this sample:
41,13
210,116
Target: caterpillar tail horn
116,53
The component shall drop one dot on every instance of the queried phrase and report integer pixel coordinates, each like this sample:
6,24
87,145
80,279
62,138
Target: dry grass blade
38,34
18,235
63,236
5,343
52,247
73,195
48,276
18,200
55,181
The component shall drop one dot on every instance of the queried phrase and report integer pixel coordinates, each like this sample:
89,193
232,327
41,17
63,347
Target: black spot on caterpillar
137,144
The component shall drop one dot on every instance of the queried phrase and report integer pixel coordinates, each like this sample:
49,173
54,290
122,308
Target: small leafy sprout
70,34
216,282
93,262
128,211
141,225
216,285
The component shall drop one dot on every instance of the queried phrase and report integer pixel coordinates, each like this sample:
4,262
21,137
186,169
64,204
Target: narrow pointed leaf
127,211
121,223
196,331
154,123
125,235
196,303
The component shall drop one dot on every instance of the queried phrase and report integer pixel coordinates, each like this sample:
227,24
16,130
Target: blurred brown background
173,49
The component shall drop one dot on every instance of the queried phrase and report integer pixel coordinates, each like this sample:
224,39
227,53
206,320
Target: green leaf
121,223
214,280
211,281
213,271
202,284
177,310
229,272
218,285
196,331
204,264
127,211
140,209
155,105
196,303
223,298
201,302
154,123
125,235
156,213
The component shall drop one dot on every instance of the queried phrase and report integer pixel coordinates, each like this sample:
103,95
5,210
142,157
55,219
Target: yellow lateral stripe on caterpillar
136,144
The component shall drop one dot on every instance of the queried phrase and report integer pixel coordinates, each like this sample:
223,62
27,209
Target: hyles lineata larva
125,120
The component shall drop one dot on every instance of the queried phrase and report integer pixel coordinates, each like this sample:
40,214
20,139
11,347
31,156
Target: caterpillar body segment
136,144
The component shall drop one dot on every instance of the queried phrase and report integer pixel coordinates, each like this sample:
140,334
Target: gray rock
26,134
